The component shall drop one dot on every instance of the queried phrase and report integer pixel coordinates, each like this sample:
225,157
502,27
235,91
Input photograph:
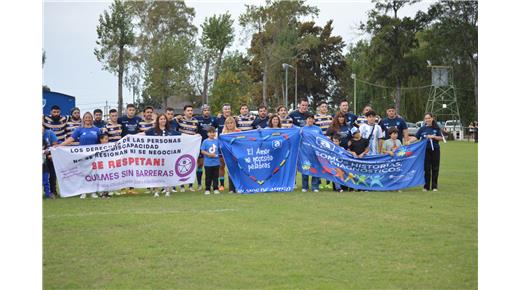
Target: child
209,149
392,144
336,139
357,146
373,132
103,139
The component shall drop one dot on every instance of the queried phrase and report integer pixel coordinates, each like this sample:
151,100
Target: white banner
134,161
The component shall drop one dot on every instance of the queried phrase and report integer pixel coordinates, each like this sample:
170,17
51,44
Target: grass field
359,240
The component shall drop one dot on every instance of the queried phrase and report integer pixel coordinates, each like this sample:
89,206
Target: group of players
342,127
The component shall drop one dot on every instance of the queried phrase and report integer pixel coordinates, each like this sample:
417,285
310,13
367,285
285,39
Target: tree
392,41
217,34
115,35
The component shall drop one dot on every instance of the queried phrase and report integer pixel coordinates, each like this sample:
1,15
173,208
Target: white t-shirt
365,131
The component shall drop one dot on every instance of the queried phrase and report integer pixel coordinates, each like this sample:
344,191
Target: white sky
69,39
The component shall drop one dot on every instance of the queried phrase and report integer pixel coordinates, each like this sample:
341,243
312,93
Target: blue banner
261,160
321,158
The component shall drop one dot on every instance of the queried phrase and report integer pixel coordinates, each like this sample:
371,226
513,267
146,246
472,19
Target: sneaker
231,191
316,190
94,195
183,189
206,192
216,192
156,194
167,194
111,193
341,190
174,189
191,189
424,189
304,190
329,186
83,196
199,188
435,189
221,188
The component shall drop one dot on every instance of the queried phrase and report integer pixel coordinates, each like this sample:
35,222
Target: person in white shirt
373,132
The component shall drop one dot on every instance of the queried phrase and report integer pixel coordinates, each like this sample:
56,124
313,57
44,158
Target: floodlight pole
353,76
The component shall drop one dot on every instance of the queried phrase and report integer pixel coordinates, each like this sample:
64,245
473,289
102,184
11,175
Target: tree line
155,50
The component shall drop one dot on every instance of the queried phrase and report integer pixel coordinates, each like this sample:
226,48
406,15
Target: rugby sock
199,176
221,180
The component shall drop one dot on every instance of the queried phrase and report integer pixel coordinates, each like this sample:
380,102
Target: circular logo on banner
184,165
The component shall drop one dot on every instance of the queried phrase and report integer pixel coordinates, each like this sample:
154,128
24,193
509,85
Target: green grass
359,240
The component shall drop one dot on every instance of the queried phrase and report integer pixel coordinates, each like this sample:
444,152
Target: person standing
112,128
147,122
230,126
87,134
430,131
209,149
372,131
161,128
73,122
286,121
49,140
340,127
262,118
275,122
323,119
56,123
350,118
187,124
220,122
98,119
245,119
392,144
362,119
315,181
130,126
299,117
394,121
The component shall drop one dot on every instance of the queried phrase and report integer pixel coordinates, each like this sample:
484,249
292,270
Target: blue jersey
260,123
298,118
344,134
350,119
130,126
49,138
399,123
211,146
100,124
152,132
205,123
87,136
428,130
188,126
245,122
56,125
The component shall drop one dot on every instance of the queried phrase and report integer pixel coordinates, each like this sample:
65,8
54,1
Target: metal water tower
442,101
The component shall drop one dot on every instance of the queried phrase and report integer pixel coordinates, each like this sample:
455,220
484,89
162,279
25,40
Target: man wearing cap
73,122
205,121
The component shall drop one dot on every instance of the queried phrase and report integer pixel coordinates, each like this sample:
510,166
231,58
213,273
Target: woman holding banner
431,131
339,126
87,134
230,126
161,128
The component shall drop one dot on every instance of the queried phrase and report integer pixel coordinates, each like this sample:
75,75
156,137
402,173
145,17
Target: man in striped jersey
287,122
362,119
73,122
245,119
98,119
56,123
323,119
112,128
187,124
147,122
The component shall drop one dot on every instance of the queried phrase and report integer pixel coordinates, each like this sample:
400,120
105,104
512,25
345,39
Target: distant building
65,102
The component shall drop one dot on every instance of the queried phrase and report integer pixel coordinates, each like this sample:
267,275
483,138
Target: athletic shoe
173,189
156,194
329,186
216,192
424,189
435,189
167,194
199,188
316,190
341,190
111,193
183,189
304,190
83,196
221,188
94,195
191,189
206,192
231,191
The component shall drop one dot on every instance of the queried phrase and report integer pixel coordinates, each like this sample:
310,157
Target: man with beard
98,119
56,123
148,121
73,122
262,118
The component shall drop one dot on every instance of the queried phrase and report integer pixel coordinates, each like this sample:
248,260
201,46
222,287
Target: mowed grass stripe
408,239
